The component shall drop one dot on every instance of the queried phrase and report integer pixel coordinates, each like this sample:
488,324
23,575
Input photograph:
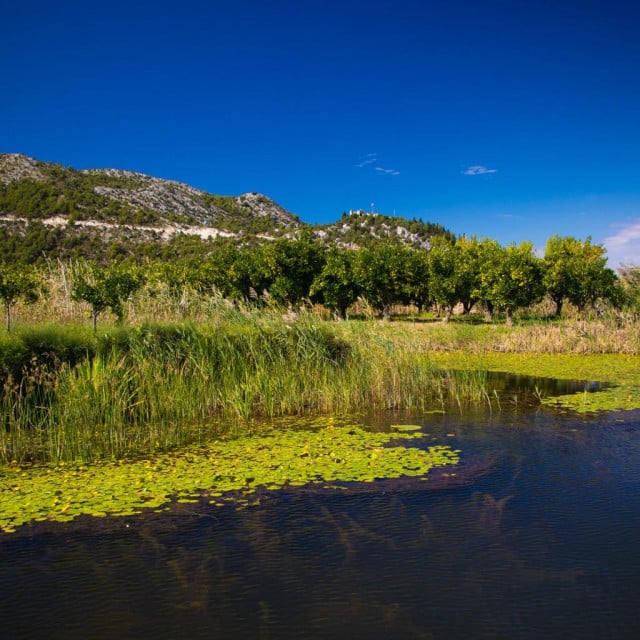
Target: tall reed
162,385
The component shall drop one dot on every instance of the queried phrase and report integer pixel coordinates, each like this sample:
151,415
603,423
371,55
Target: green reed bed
155,387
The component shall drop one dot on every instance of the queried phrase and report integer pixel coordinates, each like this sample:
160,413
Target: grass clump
69,395
159,386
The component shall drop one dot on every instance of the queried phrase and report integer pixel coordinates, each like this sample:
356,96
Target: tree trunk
488,314
447,315
7,308
386,312
559,307
94,316
509,311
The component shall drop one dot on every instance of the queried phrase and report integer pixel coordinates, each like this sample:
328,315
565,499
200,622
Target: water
538,536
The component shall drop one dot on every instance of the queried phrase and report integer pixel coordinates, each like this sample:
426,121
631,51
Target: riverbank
133,418
69,395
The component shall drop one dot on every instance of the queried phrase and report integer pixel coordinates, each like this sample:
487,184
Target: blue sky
515,120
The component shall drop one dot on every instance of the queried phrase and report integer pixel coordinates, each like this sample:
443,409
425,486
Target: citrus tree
336,286
512,278
107,288
385,274
445,275
288,267
468,268
576,270
18,283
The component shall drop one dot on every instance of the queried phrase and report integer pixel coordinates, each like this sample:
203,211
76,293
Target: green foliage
107,288
289,268
53,345
621,371
336,286
18,283
230,270
179,248
438,268
67,193
156,387
37,243
468,270
239,216
511,277
416,286
444,274
32,244
575,270
84,195
31,353
366,229
385,273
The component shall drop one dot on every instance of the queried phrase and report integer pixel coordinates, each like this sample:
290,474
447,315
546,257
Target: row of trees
470,272
466,271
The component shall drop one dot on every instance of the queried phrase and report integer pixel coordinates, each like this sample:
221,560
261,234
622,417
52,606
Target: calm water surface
537,536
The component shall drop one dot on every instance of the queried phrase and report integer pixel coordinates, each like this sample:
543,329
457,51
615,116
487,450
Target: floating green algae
620,372
406,428
222,471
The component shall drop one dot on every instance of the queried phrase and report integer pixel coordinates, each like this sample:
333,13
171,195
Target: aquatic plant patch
620,372
222,471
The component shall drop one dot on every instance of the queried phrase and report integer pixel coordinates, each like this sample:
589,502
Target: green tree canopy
107,288
336,286
445,282
416,285
576,270
286,268
385,275
18,283
470,256
511,277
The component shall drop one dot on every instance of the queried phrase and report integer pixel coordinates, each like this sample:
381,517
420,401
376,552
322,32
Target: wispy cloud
370,158
624,246
371,161
478,170
390,172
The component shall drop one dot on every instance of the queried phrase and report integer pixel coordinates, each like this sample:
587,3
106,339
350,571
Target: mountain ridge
118,205
145,198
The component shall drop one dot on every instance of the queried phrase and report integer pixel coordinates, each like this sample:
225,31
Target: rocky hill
56,210
51,193
359,228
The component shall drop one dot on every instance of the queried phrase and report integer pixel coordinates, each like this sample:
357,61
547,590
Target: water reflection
513,390
537,537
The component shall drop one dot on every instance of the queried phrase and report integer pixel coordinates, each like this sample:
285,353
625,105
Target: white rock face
262,206
154,208
175,204
15,166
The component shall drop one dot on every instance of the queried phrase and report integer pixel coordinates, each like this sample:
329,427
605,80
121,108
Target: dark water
537,537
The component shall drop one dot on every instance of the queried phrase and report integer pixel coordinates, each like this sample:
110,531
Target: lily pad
406,427
216,472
